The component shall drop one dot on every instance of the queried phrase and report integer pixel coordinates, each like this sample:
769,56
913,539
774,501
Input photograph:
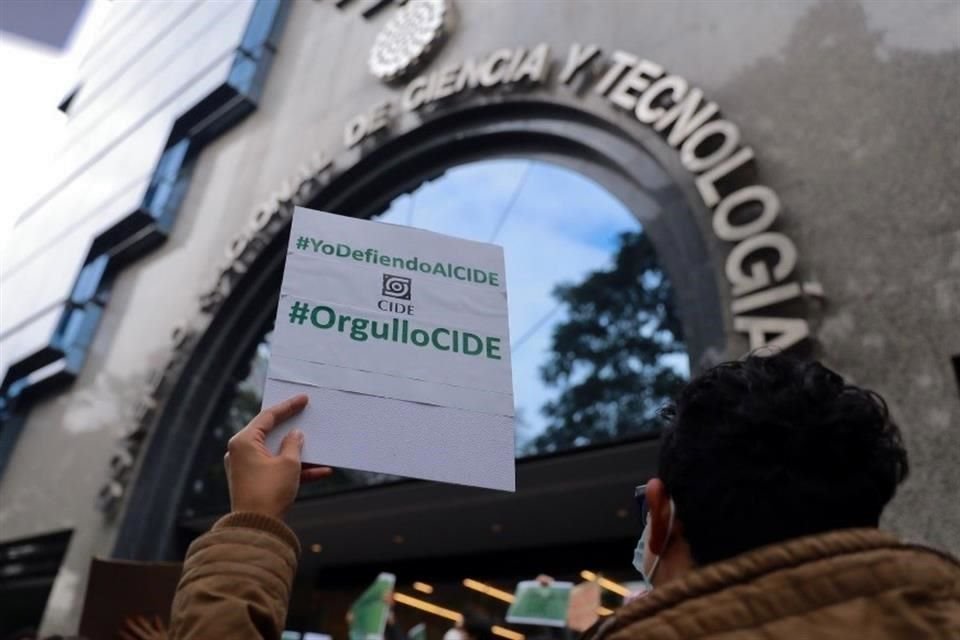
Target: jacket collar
746,567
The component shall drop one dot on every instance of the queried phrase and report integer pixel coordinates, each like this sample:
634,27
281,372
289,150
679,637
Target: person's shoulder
788,583
847,563
916,562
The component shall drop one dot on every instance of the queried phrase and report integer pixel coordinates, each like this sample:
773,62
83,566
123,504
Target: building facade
792,165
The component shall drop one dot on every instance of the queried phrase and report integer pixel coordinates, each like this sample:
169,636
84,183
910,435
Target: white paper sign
400,338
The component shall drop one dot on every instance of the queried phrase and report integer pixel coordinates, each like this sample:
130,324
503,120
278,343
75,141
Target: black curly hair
771,448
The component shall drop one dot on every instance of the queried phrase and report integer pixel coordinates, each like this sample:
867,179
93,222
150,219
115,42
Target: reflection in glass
596,344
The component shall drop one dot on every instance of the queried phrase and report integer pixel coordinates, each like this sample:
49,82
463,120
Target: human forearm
236,580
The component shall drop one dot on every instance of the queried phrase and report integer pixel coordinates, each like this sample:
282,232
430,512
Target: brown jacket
843,585
236,581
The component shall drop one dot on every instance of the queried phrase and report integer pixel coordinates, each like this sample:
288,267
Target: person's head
477,626
763,450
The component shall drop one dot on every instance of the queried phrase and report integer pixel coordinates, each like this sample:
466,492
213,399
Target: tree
609,355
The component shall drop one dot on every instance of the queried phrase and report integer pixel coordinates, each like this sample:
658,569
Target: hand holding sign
543,601
259,481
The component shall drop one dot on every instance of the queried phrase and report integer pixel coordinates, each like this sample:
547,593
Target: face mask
640,553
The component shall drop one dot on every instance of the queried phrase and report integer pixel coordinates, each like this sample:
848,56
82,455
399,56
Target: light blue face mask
640,553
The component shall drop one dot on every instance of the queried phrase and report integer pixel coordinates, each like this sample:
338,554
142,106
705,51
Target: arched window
596,341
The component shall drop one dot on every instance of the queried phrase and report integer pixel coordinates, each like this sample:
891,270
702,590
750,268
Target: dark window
28,567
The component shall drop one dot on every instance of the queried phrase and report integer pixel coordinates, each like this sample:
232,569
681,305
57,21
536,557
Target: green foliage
608,355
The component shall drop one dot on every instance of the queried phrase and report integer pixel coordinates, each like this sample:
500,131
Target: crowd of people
762,522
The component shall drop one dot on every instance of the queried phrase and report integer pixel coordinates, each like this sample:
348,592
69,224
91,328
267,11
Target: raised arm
237,577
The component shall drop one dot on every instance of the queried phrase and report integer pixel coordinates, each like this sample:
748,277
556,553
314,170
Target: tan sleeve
236,580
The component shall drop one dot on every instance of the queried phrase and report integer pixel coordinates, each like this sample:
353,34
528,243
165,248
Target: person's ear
658,504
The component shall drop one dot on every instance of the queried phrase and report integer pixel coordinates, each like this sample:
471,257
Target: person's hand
142,628
260,481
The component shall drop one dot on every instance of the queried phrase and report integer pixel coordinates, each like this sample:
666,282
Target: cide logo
398,288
